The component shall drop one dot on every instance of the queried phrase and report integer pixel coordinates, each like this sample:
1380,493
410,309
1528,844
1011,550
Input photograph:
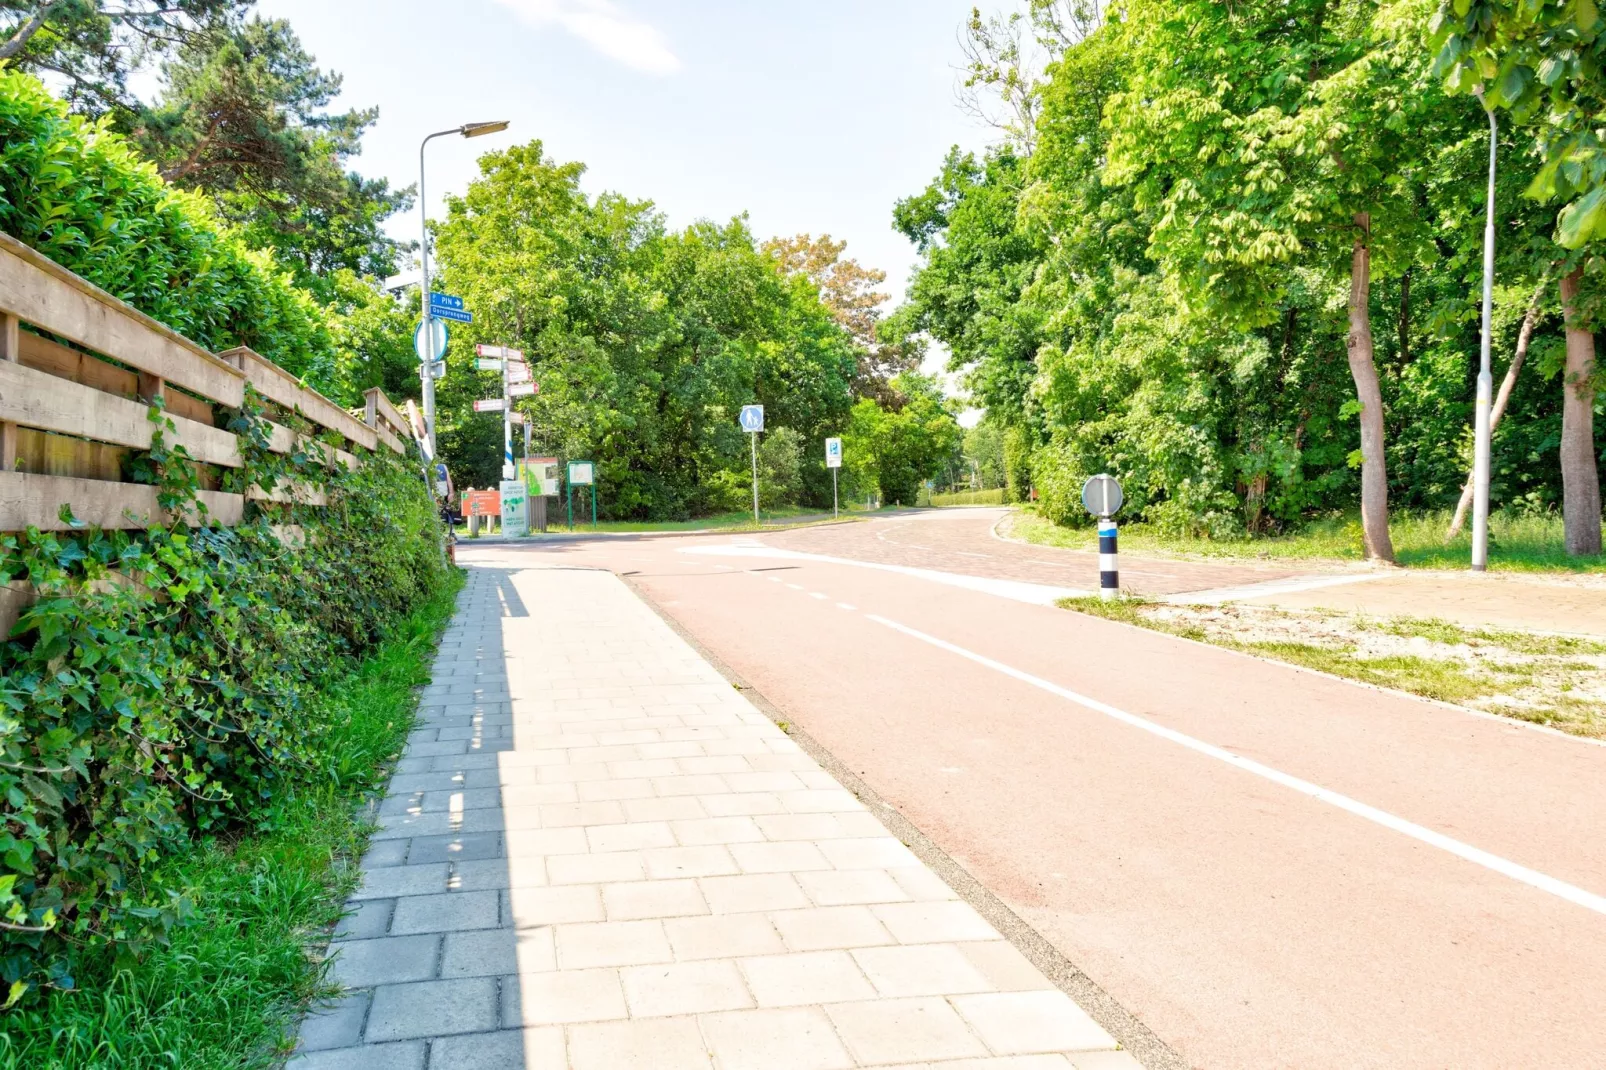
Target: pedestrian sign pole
833,461
752,421
1102,497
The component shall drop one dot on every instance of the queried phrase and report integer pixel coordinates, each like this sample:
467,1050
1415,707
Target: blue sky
809,116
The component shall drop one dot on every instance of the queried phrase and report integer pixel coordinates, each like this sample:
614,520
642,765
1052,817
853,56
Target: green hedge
79,194
970,497
166,686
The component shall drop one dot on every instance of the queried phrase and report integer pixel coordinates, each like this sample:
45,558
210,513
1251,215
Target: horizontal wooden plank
47,295
280,386
28,500
387,411
78,366
49,454
36,399
390,440
298,493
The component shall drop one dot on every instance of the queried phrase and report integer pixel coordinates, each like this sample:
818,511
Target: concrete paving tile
1018,1023
716,830
335,1025
571,996
722,936
388,881
566,841
1104,1060
878,853
1005,968
464,847
554,906
385,853
432,1009
794,1039
602,868
904,1030
385,961
684,988
404,1056
446,912
679,808
753,892
480,875
838,887
659,1043
365,920
611,943
653,899
504,1049
920,882
830,928
634,836
921,970
669,863
926,923
480,953
806,977
792,856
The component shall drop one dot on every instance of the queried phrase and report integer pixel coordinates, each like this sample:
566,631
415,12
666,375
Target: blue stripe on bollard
1109,568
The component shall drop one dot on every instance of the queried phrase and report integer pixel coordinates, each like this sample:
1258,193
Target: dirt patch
1557,680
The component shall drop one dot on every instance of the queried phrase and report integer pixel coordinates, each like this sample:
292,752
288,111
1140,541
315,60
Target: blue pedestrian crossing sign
752,418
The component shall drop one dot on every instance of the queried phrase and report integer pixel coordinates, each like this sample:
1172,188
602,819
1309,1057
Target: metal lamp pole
424,370
1481,434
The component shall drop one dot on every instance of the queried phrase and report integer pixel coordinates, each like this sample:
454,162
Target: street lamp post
428,333
1481,447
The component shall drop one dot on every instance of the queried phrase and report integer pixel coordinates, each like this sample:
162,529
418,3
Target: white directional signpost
752,421
515,384
833,461
1101,496
488,405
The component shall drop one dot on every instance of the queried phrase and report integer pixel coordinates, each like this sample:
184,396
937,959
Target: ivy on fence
165,684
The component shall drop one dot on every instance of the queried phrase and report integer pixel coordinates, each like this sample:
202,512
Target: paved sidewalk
597,855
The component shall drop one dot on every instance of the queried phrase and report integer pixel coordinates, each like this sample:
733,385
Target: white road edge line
1505,867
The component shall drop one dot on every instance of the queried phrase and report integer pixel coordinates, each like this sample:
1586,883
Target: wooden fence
78,371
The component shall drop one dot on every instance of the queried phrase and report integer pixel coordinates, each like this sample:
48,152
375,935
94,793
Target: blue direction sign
447,307
752,418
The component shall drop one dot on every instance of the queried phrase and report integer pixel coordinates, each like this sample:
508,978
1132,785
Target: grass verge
1517,543
227,989
1558,681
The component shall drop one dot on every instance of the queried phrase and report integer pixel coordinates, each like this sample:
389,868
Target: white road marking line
844,605
1269,587
1036,594
816,594
794,587
1505,867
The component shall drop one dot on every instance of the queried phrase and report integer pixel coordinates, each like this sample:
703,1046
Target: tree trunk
1374,474
25,32
1524,336
1580,482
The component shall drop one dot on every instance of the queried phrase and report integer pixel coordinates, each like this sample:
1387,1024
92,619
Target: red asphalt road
1246,924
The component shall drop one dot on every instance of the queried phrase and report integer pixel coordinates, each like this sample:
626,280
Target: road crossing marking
1505,867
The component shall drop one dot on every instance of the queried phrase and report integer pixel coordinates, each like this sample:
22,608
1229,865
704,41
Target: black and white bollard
1109,567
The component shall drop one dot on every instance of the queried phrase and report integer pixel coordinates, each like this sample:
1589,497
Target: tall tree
1266,133
244,117
1543,62
848,289
94,45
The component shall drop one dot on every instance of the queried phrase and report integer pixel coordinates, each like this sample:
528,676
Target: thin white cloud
615,33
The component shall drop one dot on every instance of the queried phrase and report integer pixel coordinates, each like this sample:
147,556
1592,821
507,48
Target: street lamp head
476,129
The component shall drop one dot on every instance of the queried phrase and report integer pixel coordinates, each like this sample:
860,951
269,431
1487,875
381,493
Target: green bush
165,685
79,194
970,497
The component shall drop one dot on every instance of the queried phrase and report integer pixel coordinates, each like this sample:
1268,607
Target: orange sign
482,503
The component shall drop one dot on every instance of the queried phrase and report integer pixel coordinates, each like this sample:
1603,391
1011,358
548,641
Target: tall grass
227,989
1517,541
970,497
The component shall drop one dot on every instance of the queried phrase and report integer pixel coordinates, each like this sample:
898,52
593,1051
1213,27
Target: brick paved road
596,854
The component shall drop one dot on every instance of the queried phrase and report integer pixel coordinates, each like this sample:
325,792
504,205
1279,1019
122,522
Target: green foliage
1158,291
896,450
644,343
780,461
165,683
223,991
76,192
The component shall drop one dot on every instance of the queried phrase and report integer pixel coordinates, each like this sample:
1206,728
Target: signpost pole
754,436
593,493
507,426
569,492
833,494
1109,564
